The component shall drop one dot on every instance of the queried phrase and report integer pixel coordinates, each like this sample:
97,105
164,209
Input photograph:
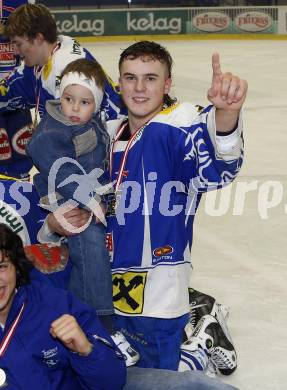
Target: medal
111,205
113,201
2,378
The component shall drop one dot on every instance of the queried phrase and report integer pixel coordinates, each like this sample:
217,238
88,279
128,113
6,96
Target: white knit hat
79,78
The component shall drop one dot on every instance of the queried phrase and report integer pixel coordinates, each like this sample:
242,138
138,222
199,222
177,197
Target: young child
70,149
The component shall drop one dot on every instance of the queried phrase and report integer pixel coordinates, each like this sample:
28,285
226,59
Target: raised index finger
216,67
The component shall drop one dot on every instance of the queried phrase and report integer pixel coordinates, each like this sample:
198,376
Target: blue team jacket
35,360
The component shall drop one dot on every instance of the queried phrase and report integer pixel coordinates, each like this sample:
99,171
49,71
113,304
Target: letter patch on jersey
128,291
7,58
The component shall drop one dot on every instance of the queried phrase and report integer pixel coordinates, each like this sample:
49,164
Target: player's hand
68,220
69,332
227,91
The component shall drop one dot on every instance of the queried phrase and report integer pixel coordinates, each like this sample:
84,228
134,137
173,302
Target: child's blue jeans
91,279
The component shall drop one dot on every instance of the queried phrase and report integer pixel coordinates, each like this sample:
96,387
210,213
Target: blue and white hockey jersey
26,85
172,160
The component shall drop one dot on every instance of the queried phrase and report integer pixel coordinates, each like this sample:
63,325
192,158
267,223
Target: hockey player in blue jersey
16,125
162,158
33,32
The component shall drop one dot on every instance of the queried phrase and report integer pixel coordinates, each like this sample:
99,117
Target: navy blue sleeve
104,368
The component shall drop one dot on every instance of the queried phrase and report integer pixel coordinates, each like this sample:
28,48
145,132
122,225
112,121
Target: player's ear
167,85
39,38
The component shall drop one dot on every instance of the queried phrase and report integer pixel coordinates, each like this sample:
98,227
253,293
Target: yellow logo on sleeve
3,90
47,69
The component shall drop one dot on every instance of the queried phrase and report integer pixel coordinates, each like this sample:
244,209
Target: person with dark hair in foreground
50,340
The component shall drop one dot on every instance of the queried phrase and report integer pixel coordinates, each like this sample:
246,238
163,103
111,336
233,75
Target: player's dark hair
31,19
146,51
12,249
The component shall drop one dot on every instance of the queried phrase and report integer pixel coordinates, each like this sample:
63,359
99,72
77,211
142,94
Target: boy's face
78,103
7,286
143,85
29,50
